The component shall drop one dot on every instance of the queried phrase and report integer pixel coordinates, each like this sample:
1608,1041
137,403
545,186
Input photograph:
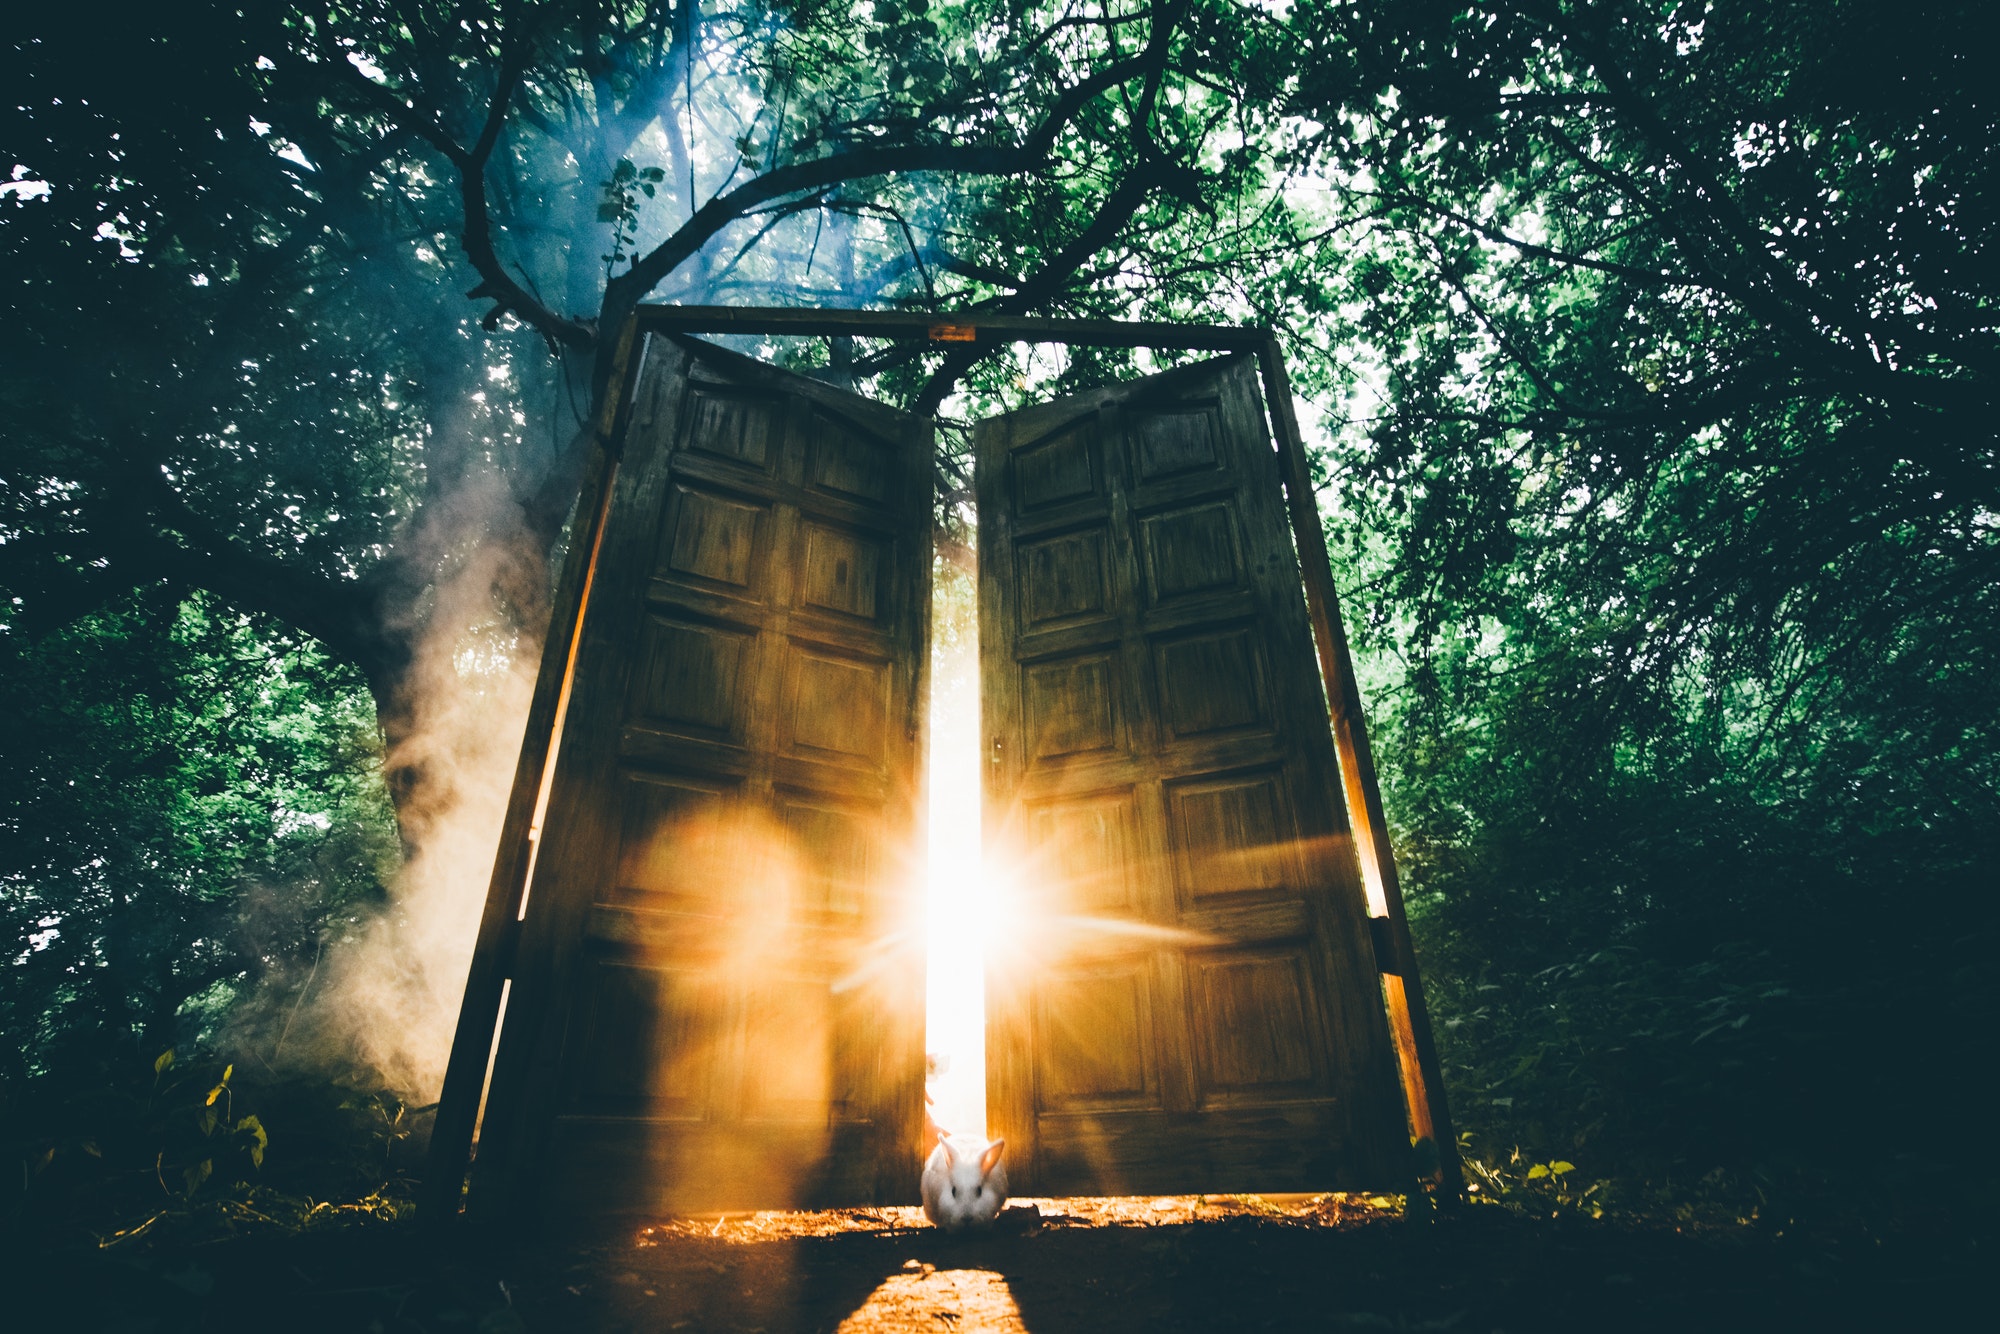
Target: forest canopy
1648,350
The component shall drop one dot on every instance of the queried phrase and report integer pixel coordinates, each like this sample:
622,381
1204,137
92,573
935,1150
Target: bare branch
626,290
495,284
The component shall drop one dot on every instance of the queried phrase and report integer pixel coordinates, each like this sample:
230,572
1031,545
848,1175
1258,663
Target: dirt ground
1053,1266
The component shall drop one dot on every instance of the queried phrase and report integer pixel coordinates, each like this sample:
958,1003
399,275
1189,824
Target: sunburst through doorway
958,898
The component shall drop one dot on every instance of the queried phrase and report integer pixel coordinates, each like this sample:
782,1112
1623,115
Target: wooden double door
717,994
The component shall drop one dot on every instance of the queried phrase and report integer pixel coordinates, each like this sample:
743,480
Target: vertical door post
513,864
1403,992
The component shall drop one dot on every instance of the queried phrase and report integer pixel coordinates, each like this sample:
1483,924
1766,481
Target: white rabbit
964,1184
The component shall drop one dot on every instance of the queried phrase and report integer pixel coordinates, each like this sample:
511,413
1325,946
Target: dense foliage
1675,471
1651,345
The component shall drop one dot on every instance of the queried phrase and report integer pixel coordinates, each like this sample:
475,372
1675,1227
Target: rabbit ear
950,1154
991,1156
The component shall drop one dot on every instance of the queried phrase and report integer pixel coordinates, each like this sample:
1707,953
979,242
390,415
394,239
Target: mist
380,1004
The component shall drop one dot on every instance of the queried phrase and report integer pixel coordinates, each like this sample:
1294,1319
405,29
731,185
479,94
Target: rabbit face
964,1184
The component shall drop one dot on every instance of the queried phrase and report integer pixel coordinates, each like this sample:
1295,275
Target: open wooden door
718,991
1190,1000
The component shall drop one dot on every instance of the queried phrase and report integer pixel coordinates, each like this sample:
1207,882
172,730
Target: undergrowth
190,1146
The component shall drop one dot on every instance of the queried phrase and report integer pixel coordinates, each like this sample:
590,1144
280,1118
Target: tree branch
627,289
339,614
1112,215
1117,209
476,238
496,284
1646,276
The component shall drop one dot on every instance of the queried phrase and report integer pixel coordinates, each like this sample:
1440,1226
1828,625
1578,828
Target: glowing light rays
959,899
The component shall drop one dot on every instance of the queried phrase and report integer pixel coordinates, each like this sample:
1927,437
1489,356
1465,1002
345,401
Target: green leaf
1560,1167
197,1174
259,1140
163,1062
1538,1171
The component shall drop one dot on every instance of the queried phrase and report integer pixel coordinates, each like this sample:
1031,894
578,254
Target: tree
1684,308
1653,341
285,280
240,364
1671,462
186,801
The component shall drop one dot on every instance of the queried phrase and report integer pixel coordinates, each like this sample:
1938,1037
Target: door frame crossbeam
480,1014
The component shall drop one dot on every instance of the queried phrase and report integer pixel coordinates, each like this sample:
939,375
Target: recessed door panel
692,676
1093,1035
712,538
1086,853
1062,579
1191,551
1071,706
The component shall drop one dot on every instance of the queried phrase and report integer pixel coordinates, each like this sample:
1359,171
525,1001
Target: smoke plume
382,1002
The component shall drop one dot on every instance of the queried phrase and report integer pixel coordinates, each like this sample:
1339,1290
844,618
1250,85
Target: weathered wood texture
1193,1003
717,997
653,1036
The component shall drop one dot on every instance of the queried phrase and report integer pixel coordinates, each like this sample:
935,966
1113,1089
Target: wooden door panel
1089,853
732,422
844,572
715,540
1062,467
1233,834
836,707
1072,708
838,843
1063,580
1255,1036
1192,552
1197,1007
1273,1147
666,845
1180,439
718,1001
691,677
1094,1038
1211,682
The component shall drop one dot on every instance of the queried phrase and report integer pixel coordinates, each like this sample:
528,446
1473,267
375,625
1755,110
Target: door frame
481,1013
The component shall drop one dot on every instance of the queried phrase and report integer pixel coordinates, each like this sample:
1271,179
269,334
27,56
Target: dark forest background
1648,350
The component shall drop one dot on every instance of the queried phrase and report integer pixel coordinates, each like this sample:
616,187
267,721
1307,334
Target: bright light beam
958,909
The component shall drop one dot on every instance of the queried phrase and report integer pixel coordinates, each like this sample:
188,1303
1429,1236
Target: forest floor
1181,1263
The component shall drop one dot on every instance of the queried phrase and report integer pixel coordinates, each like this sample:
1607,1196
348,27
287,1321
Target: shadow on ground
1068,1266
